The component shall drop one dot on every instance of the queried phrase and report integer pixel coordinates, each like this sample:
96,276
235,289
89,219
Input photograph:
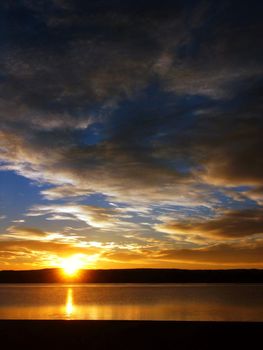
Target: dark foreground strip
126,335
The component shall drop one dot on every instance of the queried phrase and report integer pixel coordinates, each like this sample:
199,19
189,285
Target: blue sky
131,134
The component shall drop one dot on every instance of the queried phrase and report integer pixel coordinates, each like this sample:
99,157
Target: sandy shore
127,334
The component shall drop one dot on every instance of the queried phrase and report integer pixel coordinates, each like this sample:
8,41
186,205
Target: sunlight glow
72,265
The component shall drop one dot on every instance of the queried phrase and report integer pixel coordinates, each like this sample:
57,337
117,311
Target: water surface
201,302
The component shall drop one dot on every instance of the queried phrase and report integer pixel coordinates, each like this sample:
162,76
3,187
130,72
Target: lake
182,302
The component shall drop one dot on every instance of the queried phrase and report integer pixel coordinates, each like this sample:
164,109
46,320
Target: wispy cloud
93,216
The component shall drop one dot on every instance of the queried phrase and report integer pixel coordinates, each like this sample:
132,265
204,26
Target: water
206,302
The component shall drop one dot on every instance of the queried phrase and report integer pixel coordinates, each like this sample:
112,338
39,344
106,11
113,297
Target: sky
131,134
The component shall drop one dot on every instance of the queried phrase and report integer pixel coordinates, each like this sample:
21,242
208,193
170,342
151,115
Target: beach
49,334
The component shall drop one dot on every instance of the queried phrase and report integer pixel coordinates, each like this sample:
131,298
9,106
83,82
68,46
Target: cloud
33,253
232,224
56,88
64,191
52,247
256,194
19,254
123,255
144,104
214,256
23,232
93,216
217,256
212,156
20,233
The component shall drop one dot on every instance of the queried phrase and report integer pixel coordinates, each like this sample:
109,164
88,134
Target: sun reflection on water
69,307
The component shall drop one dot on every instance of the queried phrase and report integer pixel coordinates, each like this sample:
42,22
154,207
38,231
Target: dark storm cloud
97,54
103,51
231,148
101,56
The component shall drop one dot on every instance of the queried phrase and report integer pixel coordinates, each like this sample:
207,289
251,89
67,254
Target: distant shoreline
134,276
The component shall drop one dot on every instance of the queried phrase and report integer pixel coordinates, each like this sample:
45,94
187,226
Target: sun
71,265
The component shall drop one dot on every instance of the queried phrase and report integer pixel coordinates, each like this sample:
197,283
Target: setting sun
71,265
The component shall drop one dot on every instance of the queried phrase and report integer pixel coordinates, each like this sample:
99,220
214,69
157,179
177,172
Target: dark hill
134,276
